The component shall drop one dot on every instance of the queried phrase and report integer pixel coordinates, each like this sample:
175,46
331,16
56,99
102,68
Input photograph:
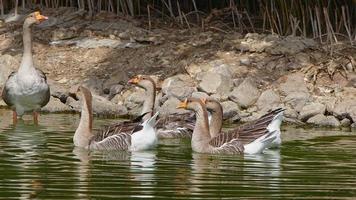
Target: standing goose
201,138
142,137
27,90
179,126
247,132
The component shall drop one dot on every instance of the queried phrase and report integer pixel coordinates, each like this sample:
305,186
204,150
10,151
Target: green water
40,162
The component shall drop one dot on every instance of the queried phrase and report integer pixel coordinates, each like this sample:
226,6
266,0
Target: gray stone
133,101
311,110
213,83
293,83
346,108
230,109
170,107
94,84
297,100
353,126
180,86
56,106
220,97
246,94
8,64
322,120
268,99
101,106
62,34
200,95
91,43
345,122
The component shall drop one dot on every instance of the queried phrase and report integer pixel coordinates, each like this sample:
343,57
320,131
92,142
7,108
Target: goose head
142,81
212,105
34,18
193,104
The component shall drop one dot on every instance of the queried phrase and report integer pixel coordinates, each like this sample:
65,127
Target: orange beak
183,104
134,80
39,17
203,100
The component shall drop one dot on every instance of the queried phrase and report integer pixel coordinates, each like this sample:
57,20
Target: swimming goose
142,137
178,126
251,130
202,140
27,90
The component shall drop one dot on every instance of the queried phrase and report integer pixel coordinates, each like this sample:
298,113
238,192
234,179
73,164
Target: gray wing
247,132
47,95
235,146
120,141
5,92
178,126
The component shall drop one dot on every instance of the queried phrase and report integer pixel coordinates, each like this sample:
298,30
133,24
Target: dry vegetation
329,21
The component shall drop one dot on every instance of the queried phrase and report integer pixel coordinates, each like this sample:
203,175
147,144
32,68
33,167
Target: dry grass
328,21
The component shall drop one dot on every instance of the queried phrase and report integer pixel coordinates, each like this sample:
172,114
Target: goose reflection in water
141,168
264,167
235,171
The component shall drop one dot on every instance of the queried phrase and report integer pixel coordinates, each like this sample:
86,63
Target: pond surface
40,162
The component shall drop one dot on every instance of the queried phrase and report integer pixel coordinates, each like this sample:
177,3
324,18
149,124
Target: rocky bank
249,74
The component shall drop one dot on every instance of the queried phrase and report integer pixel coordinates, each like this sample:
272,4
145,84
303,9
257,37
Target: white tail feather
260,143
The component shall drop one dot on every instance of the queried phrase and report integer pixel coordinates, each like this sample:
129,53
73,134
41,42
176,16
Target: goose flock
27,91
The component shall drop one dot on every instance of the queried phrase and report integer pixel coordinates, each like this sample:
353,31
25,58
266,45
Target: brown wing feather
177,126
5,91
247,132
234,146
120,141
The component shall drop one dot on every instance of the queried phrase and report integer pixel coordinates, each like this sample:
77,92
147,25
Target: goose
178,126
203,142
27,90
141,137
270,121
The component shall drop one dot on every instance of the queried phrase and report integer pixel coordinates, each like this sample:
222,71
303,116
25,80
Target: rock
269,99
56,106
220,97
353,126
345,122
200,95
346,108
133,101
275,45
101,106
222,69
114,90
297,100
58,91
6,43
94,84
8,64
322,120
179,86
116,78
290,113
245,94
169,107
290,45
62,34
213,83
293,83
230,109
311,110
91,43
